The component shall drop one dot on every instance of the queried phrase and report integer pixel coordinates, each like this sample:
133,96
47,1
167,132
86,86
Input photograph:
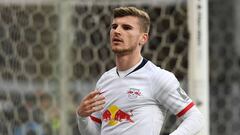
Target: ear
144,38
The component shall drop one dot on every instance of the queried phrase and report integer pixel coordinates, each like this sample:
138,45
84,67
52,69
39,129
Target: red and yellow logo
114,114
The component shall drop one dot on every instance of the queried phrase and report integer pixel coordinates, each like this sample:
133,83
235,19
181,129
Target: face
126,35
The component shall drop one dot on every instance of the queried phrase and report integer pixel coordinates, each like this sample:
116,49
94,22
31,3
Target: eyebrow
114,24
127,25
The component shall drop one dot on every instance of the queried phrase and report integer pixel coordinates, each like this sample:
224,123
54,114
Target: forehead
130,20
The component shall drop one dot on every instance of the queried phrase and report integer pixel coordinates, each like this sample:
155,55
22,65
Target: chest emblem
113,115
134,93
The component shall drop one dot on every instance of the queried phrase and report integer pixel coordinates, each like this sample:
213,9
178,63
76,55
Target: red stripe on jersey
185,109
96,119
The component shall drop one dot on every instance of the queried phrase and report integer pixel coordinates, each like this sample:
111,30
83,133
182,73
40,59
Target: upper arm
169,93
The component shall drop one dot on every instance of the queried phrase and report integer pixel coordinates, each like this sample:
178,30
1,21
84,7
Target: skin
91,103
127,40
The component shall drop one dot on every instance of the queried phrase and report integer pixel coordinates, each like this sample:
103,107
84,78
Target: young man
133,97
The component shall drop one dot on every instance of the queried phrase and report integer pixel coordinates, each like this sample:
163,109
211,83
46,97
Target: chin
121,51
117,50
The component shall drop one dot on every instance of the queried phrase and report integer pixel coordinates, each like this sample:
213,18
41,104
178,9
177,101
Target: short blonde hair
144,19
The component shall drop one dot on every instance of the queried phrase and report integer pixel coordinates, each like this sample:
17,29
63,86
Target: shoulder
157,72
161,78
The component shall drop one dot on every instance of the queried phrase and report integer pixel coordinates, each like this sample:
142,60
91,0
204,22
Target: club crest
134,93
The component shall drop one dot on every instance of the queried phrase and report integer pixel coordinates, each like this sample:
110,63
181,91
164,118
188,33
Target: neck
124,62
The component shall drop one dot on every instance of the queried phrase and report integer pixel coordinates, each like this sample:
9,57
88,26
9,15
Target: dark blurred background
52,53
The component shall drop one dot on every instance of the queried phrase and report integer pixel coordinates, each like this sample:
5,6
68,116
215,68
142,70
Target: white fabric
137,103
191,124
87,126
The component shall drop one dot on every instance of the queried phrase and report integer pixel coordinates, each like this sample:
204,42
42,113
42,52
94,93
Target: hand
91,103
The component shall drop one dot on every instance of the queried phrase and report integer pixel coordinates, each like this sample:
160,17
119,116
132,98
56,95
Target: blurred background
53,51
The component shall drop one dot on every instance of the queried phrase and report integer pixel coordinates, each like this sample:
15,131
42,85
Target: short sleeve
170,95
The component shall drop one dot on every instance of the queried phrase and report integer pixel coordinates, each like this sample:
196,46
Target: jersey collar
144,61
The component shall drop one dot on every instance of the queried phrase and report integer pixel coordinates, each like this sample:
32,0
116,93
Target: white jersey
136,104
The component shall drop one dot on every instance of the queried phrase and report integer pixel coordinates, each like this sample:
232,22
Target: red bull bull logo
113,115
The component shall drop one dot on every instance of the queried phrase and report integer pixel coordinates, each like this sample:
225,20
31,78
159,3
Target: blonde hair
144,19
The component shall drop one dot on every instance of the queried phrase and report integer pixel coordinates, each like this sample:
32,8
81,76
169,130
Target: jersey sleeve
168,93
87,126
90,125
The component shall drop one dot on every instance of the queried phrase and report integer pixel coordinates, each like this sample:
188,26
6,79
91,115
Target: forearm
192,123
87,127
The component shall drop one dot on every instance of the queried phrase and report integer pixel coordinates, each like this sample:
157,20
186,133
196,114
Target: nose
117,30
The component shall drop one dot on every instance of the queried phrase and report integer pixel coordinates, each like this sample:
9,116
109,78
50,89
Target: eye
127,27
114,26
